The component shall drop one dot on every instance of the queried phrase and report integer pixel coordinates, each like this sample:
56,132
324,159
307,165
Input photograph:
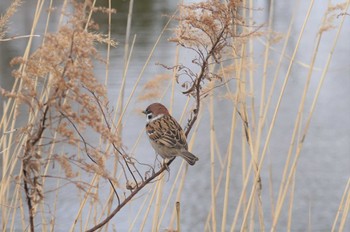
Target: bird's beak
144,111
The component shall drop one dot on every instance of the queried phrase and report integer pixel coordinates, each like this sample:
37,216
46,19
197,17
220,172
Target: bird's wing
167,132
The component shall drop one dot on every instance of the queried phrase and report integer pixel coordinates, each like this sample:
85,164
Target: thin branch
28,149
29,200
87,152
120,206
113,144
18,37
204,54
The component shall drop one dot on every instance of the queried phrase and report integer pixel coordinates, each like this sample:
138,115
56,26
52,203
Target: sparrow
166,135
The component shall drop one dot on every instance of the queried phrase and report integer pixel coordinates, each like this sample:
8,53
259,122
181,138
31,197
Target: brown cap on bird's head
156,109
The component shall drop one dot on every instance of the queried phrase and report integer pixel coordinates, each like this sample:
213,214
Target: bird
166,135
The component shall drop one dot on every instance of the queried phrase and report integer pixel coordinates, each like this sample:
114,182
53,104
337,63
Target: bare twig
18,37
29,201
120,206
135,191
206,49
29,149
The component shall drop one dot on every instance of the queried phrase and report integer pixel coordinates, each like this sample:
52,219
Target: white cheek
154,118
157,117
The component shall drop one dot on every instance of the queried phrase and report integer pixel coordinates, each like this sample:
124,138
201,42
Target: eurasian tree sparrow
166,135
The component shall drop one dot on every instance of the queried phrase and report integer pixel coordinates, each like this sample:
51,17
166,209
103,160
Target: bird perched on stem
166,135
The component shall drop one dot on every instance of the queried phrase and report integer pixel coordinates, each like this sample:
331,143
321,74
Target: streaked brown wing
167,132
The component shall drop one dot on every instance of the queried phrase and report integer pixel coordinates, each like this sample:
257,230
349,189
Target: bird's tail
189,157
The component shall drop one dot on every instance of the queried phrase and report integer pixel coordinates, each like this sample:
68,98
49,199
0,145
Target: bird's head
155,111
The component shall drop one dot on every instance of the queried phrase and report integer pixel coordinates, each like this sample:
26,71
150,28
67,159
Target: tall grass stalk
291,204
212,164
342,205
306,127
228,168
159,196
148,209
127,56
183,171
218,181
345,213
225,60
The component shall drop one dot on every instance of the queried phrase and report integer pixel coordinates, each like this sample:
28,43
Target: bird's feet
165,164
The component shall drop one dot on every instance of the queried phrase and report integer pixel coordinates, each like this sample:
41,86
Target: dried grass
63,104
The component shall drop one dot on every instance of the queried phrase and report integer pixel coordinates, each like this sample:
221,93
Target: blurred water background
324,165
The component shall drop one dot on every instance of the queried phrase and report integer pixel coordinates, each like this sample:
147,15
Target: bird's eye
149,116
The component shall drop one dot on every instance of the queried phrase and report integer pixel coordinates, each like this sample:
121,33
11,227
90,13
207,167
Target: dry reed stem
169,198
179,172
218,184
247,132
4,19
312,108
10,103
291,204
250,208
212,165
345,212
277,106
183,170
35,139
160,187
300,110
177,205
141,208
127,56
148,208
142,71
228,168
195,87
341,205
112,192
